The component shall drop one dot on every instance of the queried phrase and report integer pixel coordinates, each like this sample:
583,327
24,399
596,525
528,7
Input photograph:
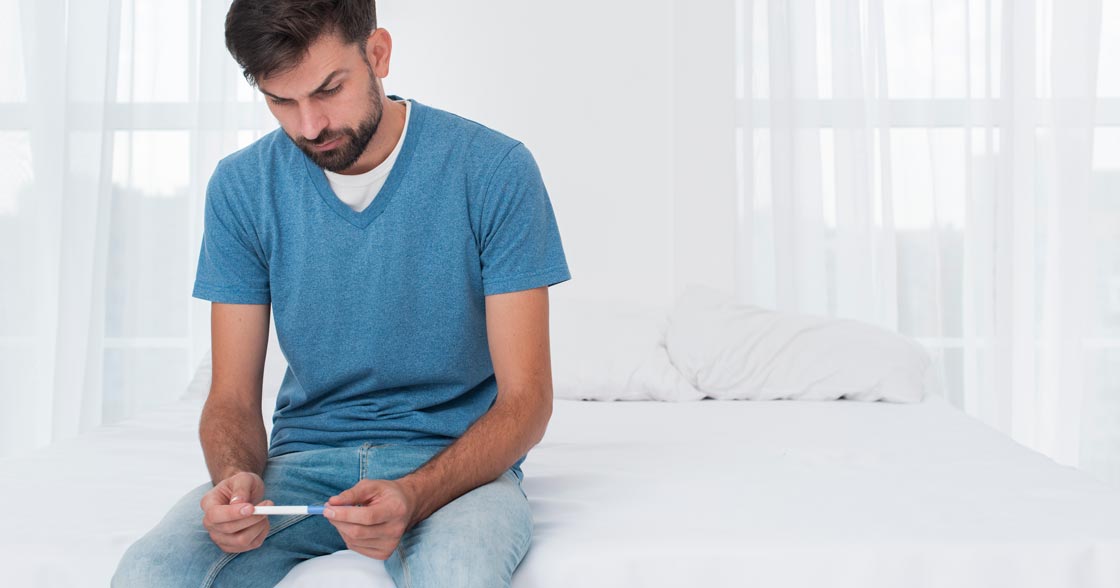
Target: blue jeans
477,539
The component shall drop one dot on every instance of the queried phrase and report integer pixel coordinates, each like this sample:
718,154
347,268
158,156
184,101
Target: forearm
233,440
488,448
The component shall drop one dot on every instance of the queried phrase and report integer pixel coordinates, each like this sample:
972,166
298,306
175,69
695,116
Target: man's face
329,104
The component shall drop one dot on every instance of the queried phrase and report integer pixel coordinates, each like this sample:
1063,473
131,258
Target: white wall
626,105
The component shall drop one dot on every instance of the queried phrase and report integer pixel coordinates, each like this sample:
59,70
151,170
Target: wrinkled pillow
732,351
709,347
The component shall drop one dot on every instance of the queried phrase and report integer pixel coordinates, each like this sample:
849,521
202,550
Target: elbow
528,413
544,415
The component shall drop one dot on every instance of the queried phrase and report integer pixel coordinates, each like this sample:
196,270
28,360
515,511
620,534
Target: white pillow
730,351
611,351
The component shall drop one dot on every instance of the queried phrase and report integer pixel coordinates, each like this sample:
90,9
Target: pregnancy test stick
288,510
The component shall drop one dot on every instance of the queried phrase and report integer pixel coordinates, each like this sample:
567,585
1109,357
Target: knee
149,563
140,566
453,572
462,560
477,540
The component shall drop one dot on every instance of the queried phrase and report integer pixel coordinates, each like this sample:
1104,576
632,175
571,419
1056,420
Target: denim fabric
477,540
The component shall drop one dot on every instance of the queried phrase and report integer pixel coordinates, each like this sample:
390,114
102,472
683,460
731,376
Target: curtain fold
928,166
116,113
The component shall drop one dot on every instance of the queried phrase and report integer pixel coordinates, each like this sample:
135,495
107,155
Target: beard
354,141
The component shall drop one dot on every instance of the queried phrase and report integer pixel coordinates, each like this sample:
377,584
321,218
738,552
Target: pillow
710,347
604,350
726,350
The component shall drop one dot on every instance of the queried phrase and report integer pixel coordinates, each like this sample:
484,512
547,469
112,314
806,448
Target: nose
312,120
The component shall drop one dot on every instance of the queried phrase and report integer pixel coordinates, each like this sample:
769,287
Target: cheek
351,111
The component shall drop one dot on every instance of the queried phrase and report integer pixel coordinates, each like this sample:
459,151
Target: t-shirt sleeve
232,267
520,241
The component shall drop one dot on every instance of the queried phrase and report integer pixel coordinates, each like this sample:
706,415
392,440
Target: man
405,253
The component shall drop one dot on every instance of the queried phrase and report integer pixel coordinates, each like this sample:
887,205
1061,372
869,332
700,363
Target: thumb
241,488
359,494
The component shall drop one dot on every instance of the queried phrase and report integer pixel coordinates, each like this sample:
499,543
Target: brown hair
267,37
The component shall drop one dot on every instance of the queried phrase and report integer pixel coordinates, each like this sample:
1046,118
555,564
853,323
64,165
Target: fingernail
234,499
328,512
248,508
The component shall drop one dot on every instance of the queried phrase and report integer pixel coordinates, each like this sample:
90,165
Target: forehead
326,55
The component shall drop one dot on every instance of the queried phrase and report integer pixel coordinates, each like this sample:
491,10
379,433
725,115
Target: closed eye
327,92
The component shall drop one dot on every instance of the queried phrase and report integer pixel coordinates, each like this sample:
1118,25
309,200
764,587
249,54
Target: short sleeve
231,264
520,241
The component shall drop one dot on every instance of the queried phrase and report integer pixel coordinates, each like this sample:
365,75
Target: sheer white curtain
947,168
113,114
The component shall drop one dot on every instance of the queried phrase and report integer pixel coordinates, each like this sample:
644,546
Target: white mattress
782,494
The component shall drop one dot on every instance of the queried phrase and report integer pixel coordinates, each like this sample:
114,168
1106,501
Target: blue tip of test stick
315,510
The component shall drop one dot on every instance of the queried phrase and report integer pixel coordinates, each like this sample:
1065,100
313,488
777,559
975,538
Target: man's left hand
383,510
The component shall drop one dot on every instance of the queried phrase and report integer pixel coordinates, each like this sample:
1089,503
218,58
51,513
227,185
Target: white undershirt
359,190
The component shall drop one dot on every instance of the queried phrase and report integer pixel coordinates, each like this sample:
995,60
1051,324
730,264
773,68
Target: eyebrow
321,87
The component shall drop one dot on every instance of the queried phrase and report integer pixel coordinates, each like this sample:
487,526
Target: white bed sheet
717,493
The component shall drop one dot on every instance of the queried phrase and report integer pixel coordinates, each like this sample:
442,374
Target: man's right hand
228,514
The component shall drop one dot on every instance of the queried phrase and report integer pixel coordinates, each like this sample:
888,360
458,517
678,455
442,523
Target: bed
708,493
641,493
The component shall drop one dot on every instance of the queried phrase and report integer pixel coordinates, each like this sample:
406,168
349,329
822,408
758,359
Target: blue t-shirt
381,313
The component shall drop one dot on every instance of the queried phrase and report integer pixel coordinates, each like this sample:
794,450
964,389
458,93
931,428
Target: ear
379,48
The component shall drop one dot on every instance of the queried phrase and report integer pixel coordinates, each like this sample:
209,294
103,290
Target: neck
388,134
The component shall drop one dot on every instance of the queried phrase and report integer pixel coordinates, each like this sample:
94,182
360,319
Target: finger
219,521
212,498
364,492
360,515
244,540
216,515
236,526
246,536
217,496
245,488
259,538
354,531
375,549
361,493
378,554
384,546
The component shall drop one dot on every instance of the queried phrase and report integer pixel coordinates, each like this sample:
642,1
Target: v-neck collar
363,219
